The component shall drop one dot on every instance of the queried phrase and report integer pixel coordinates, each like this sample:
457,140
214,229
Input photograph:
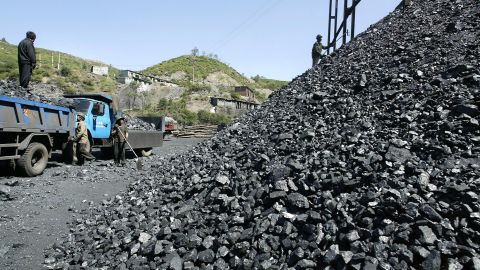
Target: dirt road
43,206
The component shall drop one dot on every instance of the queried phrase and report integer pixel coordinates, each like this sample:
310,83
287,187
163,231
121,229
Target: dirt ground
42,207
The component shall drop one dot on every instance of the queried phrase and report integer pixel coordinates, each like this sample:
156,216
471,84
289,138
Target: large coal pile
370,163
36,92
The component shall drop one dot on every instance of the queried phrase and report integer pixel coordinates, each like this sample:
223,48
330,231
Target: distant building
231,106
245,91
128,76
99,70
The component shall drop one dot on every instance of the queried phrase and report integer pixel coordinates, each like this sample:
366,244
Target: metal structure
335,31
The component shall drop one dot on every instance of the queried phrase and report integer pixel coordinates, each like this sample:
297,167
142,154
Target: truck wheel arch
44,139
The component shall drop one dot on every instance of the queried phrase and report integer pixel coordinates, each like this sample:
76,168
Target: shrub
65,71
186,117
213,118
235,96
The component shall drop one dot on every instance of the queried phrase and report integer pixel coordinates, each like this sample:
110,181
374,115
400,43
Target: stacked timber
197,131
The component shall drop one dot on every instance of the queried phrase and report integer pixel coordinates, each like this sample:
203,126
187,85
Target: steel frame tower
335,31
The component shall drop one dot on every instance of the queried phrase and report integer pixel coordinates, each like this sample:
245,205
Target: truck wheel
7,167
12,165
67,152
145,152
107,152
34,160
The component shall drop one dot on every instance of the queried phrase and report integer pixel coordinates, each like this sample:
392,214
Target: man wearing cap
27,60
317,50
119,136
81,138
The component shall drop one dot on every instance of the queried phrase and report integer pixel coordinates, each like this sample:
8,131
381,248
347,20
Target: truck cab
99,116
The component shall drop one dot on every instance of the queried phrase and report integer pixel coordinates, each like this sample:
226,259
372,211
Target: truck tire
67,152
107,152
144,152
34,160
12,166
7,167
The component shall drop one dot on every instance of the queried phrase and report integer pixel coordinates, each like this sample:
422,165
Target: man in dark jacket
317,50
27,61
120,136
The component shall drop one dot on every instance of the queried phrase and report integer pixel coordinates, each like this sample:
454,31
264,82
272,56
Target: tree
144,97
4,40
162,104
257,78
132,94
195,51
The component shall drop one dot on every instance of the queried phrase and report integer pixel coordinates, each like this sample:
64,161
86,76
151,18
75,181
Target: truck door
101,125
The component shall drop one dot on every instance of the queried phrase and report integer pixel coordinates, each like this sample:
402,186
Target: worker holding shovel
120,137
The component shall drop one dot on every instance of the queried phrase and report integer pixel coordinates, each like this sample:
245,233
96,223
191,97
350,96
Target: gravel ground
43,206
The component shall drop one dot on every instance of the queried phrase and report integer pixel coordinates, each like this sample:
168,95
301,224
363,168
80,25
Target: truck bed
142,139
21,115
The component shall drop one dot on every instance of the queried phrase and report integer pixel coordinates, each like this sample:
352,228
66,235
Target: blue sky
272,38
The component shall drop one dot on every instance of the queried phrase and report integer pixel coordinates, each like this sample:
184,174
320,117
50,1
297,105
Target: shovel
137,160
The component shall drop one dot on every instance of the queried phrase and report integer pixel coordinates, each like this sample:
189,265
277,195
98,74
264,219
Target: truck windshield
82,106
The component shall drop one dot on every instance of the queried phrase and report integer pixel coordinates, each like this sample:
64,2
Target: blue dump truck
30,131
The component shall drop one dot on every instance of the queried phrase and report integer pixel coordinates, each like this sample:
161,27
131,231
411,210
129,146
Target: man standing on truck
81,138
27,60
119,136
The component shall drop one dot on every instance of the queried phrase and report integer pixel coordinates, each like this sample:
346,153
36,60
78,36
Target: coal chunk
206,256
433,261
298,200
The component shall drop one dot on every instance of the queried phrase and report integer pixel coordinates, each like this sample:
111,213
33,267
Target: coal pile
134,122
39,92
369,161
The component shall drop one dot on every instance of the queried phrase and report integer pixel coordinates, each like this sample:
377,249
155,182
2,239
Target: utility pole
193,68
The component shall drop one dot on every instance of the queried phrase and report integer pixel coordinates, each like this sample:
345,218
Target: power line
253,18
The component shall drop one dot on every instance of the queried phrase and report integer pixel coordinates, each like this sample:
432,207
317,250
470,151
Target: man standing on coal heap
27,60
317,50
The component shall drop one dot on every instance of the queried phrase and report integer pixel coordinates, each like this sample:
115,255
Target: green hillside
74,74
203,66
